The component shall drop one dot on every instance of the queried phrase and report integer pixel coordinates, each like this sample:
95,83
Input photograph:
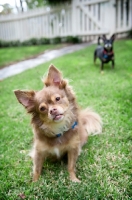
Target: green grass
104,166
15,54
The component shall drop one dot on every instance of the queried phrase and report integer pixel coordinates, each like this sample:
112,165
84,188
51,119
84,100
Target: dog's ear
104,38
26,98
54,78
113,38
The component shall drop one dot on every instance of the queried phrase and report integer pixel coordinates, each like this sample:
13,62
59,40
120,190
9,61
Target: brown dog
59,126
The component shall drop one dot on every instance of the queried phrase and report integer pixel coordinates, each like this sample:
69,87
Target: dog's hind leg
102,66
113,64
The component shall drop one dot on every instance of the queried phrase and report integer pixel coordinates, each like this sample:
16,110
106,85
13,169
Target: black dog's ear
112,38
104,37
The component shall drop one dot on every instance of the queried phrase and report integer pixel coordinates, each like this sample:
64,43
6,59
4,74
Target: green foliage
104,165
4,44
34,41
15,43
72,39
56,2
26,43
9,44
7,9
130,34
44,41
35,3
56,40
40,3
40,41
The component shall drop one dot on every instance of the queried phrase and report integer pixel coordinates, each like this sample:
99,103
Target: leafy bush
41,41
16,43
130,34
53,2
26,43
55,40
72,39
4,43
9,43
34,41
44,41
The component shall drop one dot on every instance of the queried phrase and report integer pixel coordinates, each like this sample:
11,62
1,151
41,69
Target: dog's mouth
58,117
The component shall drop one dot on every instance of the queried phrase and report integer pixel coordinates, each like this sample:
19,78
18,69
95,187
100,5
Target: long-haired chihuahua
60,127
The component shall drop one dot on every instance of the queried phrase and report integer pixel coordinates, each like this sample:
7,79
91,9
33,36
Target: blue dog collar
72,127
75,124
105,56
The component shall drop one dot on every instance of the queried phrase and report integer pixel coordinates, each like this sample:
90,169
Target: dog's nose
53,111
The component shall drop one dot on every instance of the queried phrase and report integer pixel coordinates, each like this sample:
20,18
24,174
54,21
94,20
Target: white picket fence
84,18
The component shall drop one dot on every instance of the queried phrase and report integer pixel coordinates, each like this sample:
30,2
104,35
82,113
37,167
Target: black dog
105,53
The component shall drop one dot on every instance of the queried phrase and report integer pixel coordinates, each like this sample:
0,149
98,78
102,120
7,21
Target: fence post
110,16
74,18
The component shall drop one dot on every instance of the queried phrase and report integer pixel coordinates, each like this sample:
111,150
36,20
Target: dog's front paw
36,177
75,180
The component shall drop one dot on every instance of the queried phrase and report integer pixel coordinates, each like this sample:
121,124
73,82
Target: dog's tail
91,121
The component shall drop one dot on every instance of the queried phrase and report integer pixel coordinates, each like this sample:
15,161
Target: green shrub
41,41
72,39
16,43
55,40
9,43
26,43
130,34
4,43
34,41
44,41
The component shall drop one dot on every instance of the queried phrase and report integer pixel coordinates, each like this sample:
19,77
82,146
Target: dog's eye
57,98
42,108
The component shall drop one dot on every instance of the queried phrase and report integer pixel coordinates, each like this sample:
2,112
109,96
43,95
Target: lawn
104,167
15,54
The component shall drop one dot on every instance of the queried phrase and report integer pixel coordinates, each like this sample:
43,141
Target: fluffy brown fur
54,110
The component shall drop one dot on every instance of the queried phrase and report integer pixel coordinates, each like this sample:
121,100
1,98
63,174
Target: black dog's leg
95,56
102,66
113,64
